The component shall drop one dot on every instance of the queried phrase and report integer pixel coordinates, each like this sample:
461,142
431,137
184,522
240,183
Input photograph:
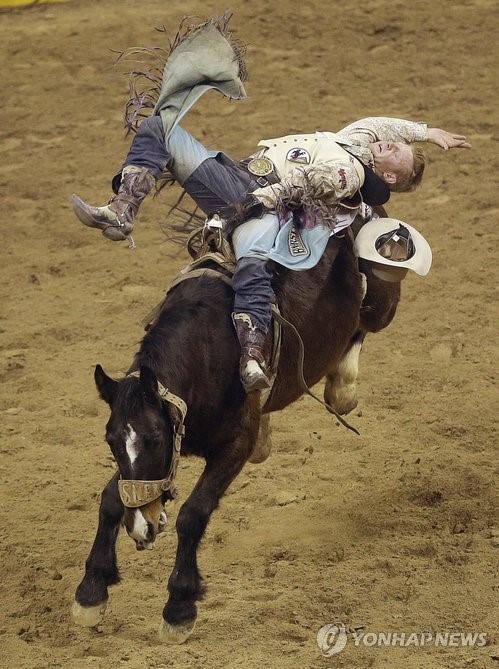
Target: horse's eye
155,439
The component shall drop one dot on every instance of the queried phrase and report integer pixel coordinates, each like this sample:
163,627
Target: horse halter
135,493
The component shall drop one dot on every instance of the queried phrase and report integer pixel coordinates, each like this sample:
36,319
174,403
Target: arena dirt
391,531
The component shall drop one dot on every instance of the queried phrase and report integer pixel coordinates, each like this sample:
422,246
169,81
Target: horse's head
145,446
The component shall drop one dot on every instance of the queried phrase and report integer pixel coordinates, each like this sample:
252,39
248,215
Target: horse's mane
131,401
183,315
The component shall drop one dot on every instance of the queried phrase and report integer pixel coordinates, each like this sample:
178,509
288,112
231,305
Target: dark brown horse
192,350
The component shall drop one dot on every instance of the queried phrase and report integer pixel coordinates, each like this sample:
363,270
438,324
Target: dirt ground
392,531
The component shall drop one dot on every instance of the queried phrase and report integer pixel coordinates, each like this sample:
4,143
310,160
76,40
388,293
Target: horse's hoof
88,616
175,633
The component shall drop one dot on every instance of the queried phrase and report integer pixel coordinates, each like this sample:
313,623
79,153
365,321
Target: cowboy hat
394,247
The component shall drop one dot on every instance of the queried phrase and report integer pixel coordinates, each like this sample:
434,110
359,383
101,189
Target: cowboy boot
252,362
116,218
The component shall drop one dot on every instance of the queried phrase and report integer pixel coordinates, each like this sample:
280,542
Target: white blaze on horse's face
131,444
136,525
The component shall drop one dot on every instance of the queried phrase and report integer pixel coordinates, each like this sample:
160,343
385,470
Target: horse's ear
149,385
105,385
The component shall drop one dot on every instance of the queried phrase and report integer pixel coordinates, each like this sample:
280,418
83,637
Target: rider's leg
147,149
211,178
252,317
213,181
145,162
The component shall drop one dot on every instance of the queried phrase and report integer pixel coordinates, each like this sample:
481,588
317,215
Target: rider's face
392,157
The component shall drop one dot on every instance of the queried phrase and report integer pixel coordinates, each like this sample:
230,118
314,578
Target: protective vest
292,151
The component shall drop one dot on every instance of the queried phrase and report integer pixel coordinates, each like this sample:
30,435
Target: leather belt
261,170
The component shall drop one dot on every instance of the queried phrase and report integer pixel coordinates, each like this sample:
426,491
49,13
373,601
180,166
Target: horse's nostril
162,522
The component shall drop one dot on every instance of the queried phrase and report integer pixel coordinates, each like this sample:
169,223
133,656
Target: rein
301,378
279,318
135,493
194,270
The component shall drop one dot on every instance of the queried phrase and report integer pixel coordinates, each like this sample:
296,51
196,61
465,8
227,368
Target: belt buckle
260,167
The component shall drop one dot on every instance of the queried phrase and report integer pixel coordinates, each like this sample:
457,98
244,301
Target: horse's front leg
101,569
185,584
341,384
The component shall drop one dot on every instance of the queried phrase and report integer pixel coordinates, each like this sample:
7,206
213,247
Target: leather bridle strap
301,379
135,493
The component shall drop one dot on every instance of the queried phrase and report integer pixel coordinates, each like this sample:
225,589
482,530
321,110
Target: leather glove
242,210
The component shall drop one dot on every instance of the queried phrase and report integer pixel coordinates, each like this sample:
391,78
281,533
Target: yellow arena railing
26,3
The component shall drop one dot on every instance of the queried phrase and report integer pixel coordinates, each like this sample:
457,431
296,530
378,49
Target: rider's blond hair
409,180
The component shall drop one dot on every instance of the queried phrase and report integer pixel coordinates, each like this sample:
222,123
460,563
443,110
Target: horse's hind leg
263,444
341,385
185,584
101,569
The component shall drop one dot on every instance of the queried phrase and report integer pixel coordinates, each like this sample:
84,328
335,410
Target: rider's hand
242,210
447,140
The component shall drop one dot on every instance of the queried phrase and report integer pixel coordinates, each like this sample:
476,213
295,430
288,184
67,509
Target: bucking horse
182,395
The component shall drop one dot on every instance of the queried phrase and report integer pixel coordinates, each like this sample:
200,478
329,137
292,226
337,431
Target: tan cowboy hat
394,247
